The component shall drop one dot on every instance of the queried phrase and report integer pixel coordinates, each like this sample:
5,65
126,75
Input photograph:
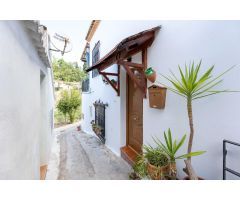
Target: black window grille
95,58
100,118
85,85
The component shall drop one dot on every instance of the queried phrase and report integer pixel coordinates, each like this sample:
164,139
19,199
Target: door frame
127,110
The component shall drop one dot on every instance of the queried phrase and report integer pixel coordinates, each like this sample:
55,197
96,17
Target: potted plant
114,82
192,87
96,128
157,163
152,163
171,147
93,124
150,74
139,168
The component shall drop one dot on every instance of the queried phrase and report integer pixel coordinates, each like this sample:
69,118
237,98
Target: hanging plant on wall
150,74
114,82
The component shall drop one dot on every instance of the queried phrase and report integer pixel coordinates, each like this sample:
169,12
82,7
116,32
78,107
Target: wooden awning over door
124,50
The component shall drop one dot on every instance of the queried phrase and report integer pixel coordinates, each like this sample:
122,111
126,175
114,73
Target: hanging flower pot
114,82
150,74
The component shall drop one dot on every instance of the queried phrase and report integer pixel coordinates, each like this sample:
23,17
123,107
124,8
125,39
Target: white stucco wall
20,104
47,104
215,118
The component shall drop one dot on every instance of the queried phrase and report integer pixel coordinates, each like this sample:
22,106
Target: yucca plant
192,86
172,146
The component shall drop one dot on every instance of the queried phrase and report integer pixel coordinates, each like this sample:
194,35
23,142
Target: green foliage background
67,71
68,107
69,104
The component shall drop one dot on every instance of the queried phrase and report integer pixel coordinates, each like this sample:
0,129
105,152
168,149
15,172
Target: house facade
126,118
27,100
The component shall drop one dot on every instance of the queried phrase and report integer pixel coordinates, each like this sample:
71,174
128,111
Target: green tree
69,103
74,104
63,104
67,71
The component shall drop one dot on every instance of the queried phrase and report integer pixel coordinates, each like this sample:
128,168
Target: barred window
100,118
95,58
85,83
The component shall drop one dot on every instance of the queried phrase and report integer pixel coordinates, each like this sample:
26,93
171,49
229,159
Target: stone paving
80,156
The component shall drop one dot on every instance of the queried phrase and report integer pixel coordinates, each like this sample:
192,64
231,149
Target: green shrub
155,156
69,104
140,166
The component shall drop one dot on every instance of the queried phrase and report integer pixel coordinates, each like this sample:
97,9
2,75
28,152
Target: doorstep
43,172
129,154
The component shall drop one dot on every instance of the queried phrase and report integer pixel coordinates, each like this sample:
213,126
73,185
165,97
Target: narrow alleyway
80,156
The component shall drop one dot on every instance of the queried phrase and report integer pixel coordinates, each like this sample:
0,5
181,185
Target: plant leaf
166,141
196,153
170,140
180,143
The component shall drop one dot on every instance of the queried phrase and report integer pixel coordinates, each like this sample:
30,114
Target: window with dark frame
85,83
95,58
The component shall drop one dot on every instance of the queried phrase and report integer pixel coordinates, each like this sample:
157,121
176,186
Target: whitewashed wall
47,104
215,118
20,105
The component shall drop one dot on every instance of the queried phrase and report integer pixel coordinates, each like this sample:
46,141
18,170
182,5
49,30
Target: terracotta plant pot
150,75
157,173
172,170
98,132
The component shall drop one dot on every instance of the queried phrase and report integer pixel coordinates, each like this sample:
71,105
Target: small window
95,58
85,83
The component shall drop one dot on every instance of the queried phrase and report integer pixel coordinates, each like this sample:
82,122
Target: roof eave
32,28
126,48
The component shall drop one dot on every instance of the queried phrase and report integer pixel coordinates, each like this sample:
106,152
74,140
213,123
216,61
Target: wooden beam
110,82
135,80
144,58
122,52
144,62
108,73
131,64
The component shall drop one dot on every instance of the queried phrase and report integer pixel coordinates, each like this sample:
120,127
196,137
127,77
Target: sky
76,30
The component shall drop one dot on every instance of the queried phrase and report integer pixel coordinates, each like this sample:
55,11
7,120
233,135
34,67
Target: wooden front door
135,115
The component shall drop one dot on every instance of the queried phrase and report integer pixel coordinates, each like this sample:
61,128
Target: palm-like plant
192,86
172,146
